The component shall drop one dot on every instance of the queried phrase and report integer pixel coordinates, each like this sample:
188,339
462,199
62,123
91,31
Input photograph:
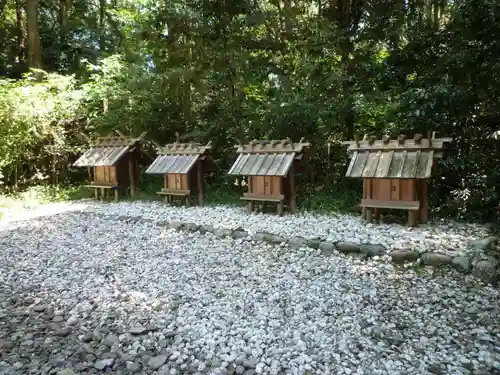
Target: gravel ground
448,237
82,292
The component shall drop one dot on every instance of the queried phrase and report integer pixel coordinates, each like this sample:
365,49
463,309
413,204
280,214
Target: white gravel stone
448,237
259,308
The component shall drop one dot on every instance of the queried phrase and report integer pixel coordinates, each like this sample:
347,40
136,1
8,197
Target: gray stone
152,327
109,340
326,247
62,332
483,243
66,371
72,321
251,363
133,367
348,247
274,239
138,330
164,370
373,249
103,364
222,232
461,263
395,339
435,259
240,234
258,237
57,319
486,269
436,369
401,256
360,256
215,363
176,225
249,372
207,229
39,308
88,337
170,334
18,365
156,362
192,227
297,242
239,370
314,243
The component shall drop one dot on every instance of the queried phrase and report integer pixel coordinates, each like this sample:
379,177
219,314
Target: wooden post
412,218
369,214
200,183
117,194
424,201
131,175
377,213
293,193
363,209
281,208
96,192
369,210
103,193
250,190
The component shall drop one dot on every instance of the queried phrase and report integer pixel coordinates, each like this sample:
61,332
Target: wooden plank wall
391,189
265,185
105,175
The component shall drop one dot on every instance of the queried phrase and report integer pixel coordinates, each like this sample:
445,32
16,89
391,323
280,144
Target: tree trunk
34,52
21,35
346,15
102,15
63,19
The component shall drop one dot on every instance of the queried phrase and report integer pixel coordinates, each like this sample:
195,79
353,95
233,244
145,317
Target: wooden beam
424,199
293,193
200,181
131,175
120,134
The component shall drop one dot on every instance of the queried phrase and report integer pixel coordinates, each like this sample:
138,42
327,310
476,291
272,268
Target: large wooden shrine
183,166
395,173
113,163
270,167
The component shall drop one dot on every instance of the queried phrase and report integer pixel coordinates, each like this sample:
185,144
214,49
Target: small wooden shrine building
395,173
270,167
183,166
113,163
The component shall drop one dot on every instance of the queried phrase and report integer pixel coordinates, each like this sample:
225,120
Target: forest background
224,70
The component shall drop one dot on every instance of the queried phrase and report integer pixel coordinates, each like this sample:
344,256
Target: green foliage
34,196
38,121
251,69
334,200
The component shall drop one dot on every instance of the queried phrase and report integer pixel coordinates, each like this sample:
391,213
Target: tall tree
63,18
34,50
102,25
21,34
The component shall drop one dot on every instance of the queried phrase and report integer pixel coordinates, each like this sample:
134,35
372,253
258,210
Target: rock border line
486,267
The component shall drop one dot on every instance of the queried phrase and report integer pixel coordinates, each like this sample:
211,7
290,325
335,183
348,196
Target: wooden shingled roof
179,157
107,151
272,146
394,158
185,149
267,158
